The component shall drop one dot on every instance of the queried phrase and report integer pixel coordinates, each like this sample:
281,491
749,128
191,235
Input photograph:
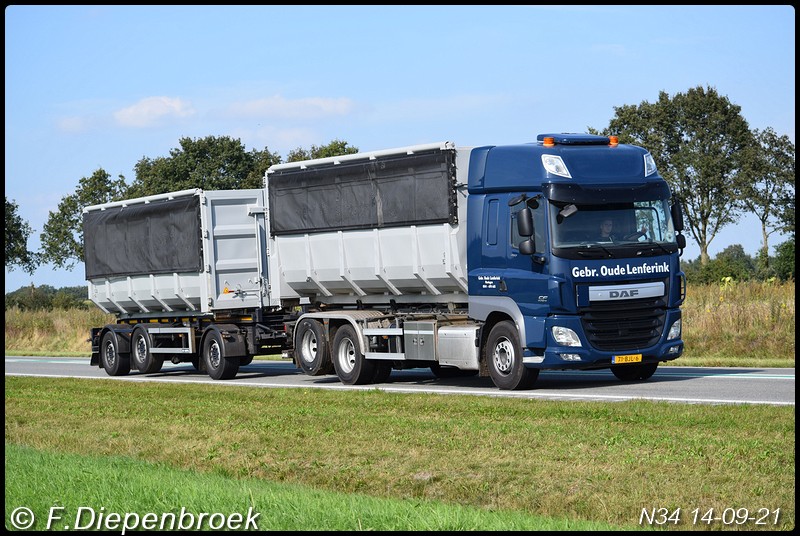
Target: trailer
464,260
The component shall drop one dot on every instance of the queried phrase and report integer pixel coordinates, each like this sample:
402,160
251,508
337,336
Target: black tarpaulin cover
162,236
389,191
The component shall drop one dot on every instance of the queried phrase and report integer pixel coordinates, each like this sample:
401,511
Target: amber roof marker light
613,141
549,141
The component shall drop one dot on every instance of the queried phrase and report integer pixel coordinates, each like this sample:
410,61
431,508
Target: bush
783,264
32,298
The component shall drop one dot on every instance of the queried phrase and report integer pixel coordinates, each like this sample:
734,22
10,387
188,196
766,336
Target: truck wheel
504,355
114,363
629,373
217,365
312,351
141,356
349,362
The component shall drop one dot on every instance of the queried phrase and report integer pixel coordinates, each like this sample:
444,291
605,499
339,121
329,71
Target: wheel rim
110,354
214,354
347,356
140,349
503,356
308,347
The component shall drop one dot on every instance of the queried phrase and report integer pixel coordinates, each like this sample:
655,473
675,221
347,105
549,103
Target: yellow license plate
631,358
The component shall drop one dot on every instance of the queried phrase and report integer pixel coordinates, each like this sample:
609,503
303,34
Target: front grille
624,325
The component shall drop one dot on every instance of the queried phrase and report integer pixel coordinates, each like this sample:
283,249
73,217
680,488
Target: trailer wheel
313,356
629,373
349,362
143,359
217,365
114,363
504,355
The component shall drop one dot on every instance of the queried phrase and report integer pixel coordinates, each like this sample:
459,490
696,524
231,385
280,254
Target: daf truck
481,260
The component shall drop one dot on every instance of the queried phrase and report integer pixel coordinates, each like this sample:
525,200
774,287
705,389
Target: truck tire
504,359
217,365
312,351
350,364
141,356
630,373
114,362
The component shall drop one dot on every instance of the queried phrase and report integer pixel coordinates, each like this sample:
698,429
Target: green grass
583,461
115,484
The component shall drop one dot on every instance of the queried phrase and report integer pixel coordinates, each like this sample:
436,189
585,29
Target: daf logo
613,294
598,293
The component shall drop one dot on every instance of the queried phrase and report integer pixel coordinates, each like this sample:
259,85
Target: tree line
717,167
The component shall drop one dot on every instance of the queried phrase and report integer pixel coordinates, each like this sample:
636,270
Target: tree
334,148
785,260
697,139
210,163
62,238
770,193
17,233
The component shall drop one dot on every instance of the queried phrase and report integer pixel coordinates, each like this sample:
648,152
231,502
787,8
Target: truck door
526,275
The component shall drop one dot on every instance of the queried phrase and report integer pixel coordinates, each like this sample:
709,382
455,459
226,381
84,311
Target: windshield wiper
591,250
651,247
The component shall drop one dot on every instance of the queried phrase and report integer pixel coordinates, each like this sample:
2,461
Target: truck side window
492,222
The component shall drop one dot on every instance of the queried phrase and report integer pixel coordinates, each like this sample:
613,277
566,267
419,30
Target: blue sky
91,87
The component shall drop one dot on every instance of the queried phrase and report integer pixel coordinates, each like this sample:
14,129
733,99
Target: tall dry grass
58,332
754,321
726,324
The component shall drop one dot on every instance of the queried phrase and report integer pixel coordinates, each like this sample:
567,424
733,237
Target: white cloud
278,107
72,124
148,112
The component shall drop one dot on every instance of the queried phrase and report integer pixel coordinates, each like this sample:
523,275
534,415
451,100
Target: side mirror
525,222
527,247
681,240
677,216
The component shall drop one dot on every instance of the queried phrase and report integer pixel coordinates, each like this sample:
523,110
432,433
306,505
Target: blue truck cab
576,238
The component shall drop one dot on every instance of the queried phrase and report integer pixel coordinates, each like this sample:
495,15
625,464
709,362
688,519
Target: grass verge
561,460
88,490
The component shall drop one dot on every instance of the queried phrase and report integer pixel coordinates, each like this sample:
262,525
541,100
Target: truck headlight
675,330
565,336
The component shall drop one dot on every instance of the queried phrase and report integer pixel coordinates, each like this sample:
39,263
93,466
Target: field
581,461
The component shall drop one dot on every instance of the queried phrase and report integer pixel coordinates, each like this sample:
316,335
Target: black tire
444,371
350,364
141,357
218,366
504,359
631,373
114,362
382,372
313,356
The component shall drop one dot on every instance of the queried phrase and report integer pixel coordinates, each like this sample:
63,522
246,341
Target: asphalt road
691,385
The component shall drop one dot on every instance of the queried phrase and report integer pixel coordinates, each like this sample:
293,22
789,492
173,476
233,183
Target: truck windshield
614,228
